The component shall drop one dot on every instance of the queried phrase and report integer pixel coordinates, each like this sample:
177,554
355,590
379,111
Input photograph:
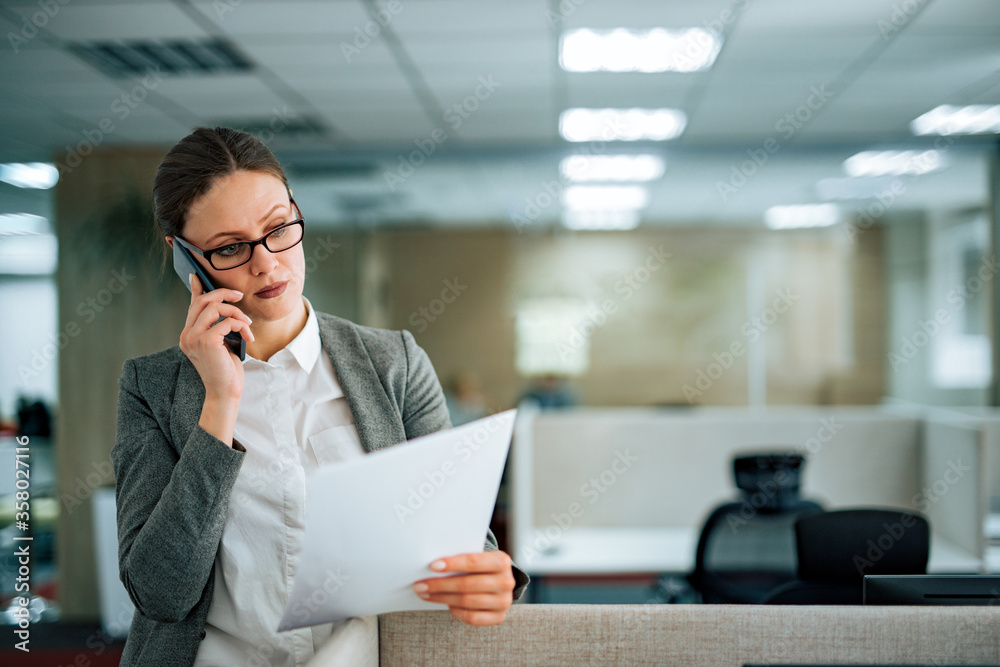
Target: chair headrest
773,476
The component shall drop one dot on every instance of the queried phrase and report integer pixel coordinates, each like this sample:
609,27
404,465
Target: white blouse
293,417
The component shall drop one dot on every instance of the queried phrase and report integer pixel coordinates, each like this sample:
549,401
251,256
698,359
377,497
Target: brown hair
193,165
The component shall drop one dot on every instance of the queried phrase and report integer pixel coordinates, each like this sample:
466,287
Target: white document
375,524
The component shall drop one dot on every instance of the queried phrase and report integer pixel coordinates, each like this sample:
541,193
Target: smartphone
184,265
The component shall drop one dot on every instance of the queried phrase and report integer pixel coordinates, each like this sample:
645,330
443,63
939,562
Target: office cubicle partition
627,489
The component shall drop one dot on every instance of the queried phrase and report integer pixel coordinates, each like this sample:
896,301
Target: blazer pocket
337,444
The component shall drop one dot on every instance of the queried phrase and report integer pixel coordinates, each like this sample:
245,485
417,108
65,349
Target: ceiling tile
470,17
791,16
52,66
221,84
120,21
382,126
601,89
966,16
474,89
149,126
816,52
480,49
287,20
516,125
641,14
321,63
973,50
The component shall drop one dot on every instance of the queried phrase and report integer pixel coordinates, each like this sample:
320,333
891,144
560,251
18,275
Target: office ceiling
354,106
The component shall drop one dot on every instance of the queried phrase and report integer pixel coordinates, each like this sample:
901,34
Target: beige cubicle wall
989,420
679,464
953,495
603,489
692,635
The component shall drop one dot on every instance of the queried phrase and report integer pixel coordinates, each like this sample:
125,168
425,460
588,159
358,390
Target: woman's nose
262,260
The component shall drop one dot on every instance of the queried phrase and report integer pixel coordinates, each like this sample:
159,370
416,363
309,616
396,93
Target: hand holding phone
184,265
210,320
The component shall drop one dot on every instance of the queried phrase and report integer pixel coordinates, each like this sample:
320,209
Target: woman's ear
170,240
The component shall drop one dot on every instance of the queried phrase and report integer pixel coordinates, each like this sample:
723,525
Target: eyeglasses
232,255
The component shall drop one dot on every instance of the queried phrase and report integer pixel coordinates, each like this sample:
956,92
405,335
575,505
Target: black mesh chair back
836,550
747,548
741,558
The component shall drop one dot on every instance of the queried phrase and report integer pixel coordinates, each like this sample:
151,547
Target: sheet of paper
375,524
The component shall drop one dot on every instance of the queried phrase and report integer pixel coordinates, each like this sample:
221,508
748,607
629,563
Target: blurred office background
725,203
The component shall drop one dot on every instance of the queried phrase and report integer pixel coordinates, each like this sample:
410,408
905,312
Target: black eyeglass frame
207,254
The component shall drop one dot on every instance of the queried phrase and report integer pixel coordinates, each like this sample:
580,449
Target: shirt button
202,635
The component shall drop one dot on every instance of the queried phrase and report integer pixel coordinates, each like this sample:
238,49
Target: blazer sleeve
171,508
425,411
424,408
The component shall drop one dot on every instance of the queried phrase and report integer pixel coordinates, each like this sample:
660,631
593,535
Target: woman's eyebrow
224,234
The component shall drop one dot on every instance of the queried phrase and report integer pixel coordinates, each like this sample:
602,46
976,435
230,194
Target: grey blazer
173,479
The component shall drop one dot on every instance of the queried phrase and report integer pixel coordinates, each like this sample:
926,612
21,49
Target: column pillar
112,306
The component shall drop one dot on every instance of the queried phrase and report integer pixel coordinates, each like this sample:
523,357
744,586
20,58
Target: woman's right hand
202,341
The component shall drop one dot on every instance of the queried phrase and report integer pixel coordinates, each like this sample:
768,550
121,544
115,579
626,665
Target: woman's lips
273,291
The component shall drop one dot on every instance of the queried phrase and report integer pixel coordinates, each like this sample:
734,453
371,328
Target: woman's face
245,206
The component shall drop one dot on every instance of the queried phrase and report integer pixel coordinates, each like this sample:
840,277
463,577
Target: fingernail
420,588
191,280
438,565
238,292
425,596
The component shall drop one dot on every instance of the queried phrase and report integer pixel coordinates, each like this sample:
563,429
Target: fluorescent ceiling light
622,50
621,124
23,223
895,163
592,220
634,168
947,119
605,197
809,215
37,175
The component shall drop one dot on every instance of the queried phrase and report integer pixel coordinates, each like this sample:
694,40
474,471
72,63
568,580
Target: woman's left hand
479,596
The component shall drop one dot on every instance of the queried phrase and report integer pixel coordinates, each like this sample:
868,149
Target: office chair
836,549
747,548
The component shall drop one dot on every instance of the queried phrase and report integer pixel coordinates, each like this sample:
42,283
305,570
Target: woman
211,453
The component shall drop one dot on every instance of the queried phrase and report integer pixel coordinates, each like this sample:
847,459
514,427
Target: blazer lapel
376,416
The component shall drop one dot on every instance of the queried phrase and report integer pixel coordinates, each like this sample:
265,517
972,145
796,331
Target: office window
553,336
962,271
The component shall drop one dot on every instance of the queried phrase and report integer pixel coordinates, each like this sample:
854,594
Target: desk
616,551
948,558
993,559
604,551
